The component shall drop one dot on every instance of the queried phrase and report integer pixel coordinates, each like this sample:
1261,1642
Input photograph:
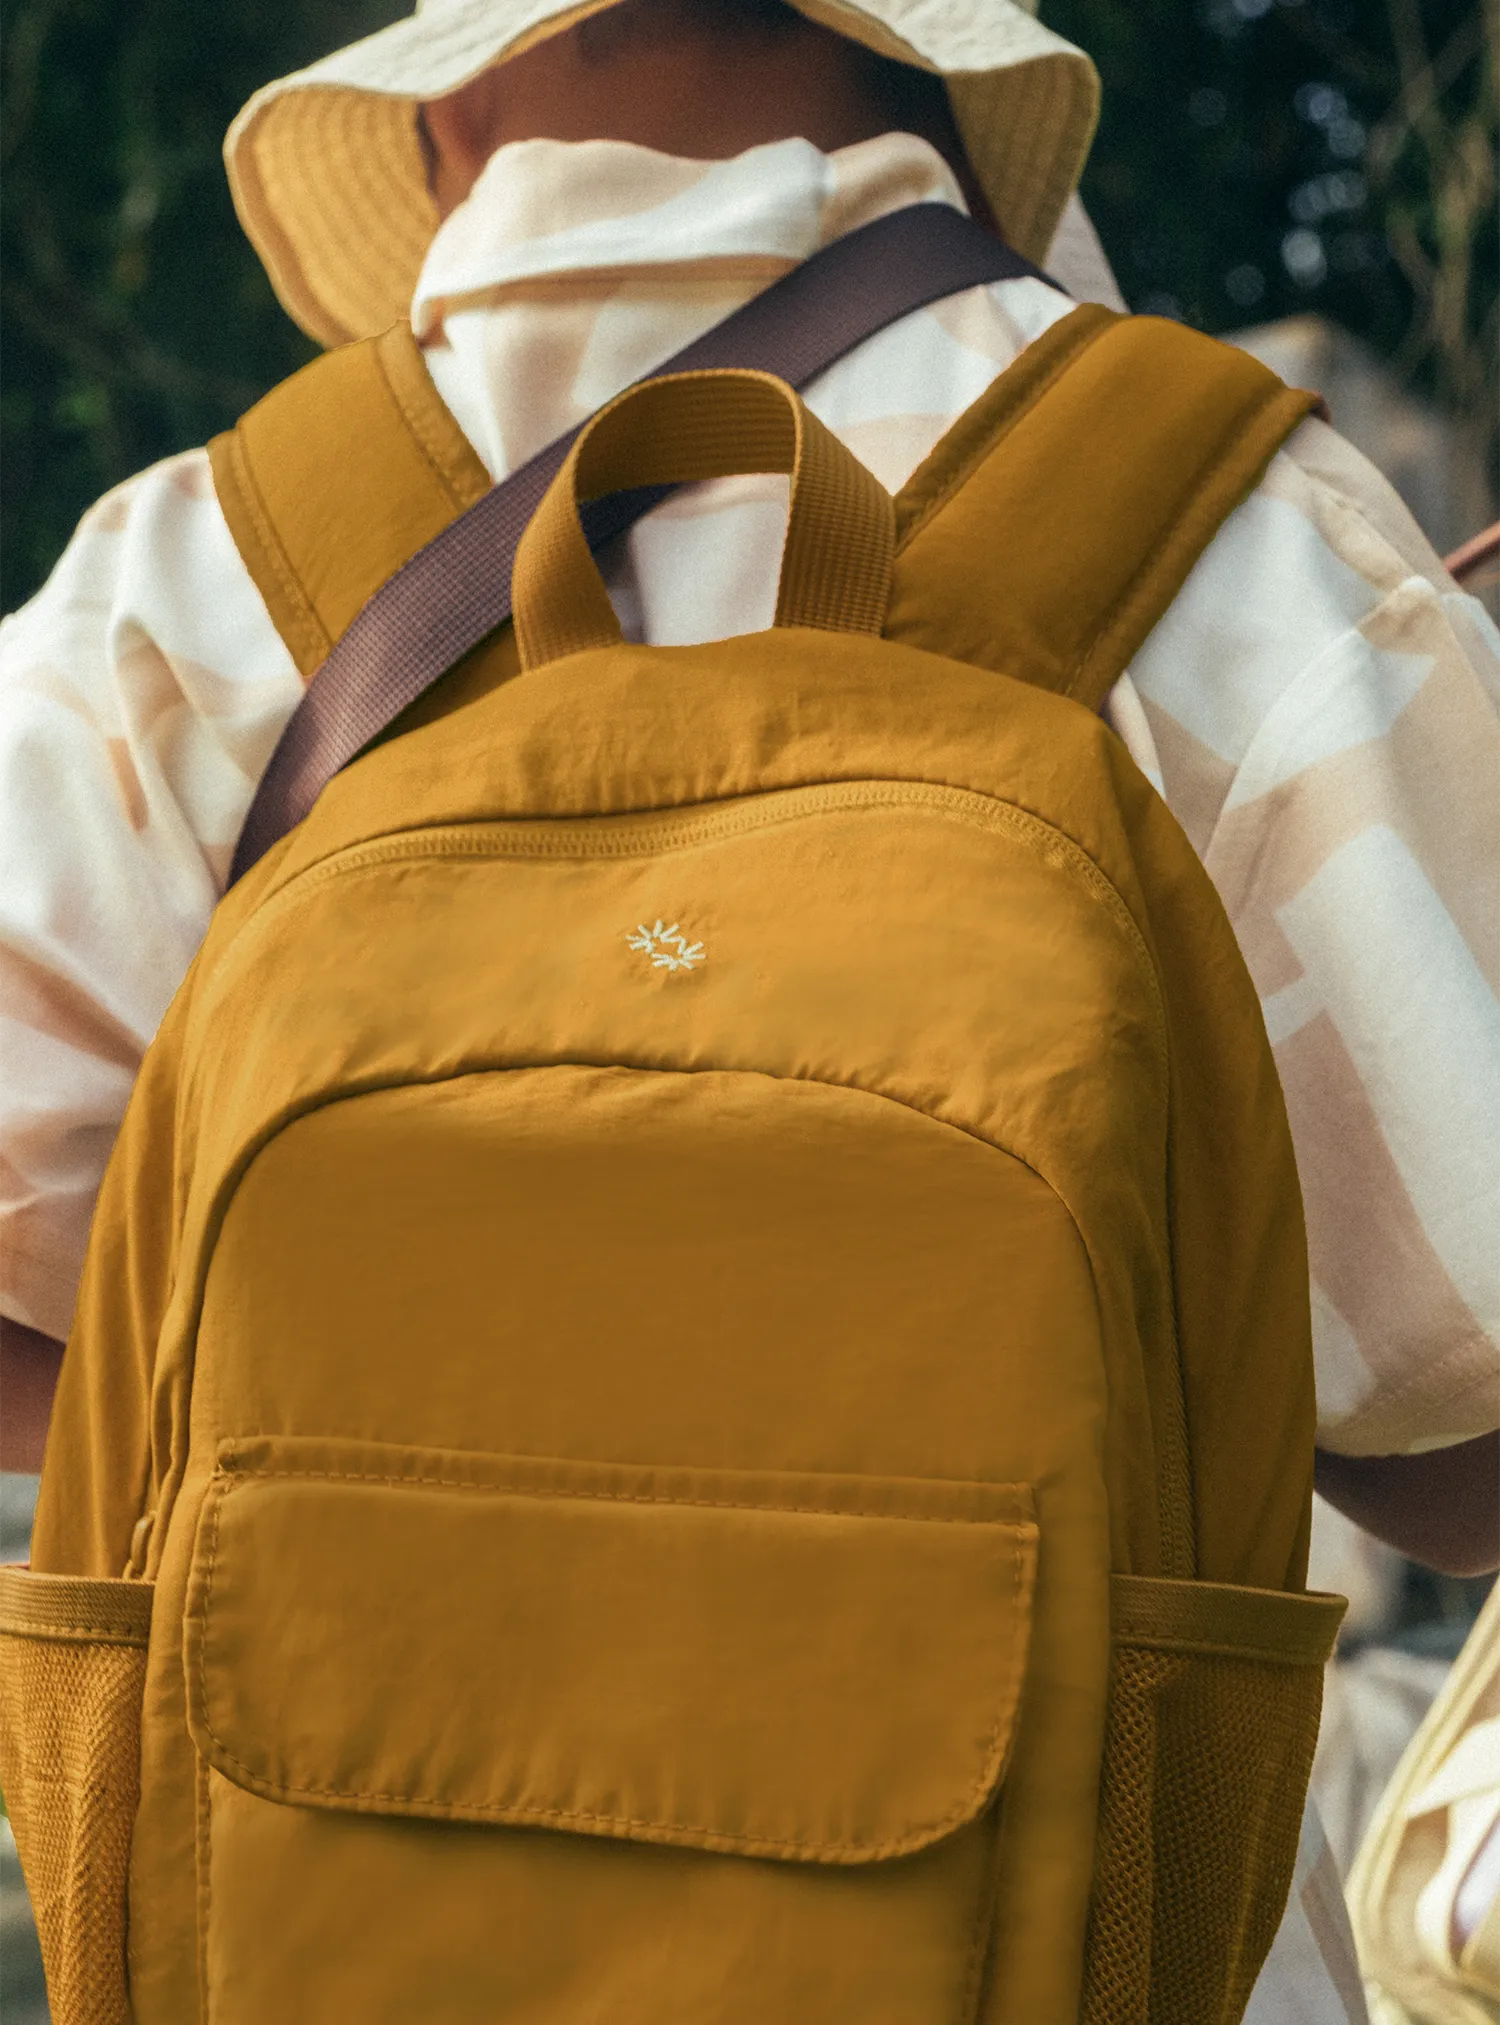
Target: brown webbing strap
1480,550
455,591
1053,526
299,475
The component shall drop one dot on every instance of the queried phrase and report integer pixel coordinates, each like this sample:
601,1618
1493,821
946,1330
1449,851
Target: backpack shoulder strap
407,602
1054,524
369,417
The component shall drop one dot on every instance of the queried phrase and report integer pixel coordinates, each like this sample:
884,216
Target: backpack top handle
836,565
452,593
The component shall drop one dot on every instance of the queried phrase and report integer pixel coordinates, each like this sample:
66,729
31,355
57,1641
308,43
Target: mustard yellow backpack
692,1400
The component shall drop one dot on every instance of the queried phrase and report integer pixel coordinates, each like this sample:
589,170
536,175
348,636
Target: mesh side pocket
1215,1695
72,1675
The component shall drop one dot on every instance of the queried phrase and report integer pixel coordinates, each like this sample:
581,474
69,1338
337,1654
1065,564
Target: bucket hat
329,181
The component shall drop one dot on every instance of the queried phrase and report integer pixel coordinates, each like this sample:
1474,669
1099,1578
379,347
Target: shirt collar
542,210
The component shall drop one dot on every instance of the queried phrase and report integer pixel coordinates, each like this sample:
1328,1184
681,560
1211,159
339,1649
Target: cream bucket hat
329,181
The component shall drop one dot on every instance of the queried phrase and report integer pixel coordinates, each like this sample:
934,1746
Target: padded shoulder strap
441,597
298,475
1052,527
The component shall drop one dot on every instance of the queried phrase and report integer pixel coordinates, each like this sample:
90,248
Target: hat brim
329,181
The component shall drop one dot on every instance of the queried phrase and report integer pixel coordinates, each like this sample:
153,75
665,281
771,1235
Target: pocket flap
821,1668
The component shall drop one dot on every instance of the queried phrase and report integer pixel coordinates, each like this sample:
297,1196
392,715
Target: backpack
692,1398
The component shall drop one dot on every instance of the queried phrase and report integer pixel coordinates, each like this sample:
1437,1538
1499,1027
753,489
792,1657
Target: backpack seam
1013,412
1202,510
921,1835
419,428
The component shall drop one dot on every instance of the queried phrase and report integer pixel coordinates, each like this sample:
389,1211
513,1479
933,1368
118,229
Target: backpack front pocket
72,1674
1215,1694
533,1739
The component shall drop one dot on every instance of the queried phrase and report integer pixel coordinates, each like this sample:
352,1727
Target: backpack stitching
915,1837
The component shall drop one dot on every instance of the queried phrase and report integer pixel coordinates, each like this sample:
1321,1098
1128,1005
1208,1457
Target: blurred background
1316,178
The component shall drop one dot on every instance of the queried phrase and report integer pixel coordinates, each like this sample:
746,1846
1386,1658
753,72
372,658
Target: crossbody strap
456,591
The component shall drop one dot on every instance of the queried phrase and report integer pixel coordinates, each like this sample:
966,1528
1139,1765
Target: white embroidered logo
668,948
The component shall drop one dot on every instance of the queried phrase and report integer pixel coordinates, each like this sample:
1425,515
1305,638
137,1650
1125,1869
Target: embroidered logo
668,948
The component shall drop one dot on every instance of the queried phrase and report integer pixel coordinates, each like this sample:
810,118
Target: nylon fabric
372,413
836,567
397,629
1179,431
799,1104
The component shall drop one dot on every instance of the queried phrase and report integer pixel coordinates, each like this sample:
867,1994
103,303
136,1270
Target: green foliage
136,319
1256,157
1229,130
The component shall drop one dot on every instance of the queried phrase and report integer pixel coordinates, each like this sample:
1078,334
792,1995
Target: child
561,199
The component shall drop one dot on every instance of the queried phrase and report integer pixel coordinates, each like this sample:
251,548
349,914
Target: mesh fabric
70,1760
1206,1765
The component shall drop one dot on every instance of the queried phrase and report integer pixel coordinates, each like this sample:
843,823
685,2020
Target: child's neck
699,81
